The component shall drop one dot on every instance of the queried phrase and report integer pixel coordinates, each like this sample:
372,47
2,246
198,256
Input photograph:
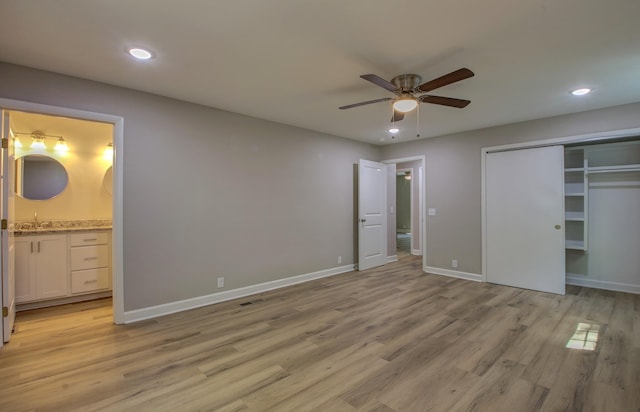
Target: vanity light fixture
61,145
16,143
37,140
108,152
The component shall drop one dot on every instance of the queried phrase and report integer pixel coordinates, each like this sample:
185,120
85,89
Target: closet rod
635,169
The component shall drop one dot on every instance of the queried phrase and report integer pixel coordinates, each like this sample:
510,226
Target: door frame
117,255
422,171
582,138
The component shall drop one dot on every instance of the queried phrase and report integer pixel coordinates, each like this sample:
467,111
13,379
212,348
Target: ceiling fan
406,86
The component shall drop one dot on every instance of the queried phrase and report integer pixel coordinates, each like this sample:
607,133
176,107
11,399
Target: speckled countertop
56,226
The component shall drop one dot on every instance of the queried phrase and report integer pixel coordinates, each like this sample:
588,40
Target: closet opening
602,214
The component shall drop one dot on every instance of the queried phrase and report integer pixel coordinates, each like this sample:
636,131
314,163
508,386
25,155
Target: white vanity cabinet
89,260
41,267
52,269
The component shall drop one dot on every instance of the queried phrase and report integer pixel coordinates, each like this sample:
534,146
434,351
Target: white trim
192,303
117,208
404,159
416,252
393,258
589,137
454,274
578,280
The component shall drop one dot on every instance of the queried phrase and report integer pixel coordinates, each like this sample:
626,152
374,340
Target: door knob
557,227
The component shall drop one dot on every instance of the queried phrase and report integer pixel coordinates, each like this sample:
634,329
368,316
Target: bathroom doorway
63,190
80,225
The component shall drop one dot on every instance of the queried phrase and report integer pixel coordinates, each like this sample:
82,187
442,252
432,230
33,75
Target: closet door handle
557,227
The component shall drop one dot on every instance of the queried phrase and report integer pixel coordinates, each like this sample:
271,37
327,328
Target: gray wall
453,176
209,193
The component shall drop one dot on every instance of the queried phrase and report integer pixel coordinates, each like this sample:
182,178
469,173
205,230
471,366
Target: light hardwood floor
387,339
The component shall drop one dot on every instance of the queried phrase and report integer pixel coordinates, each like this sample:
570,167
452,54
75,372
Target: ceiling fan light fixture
405,104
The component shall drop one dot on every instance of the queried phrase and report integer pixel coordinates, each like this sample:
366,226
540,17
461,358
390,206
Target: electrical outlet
220,282
339,259
454,263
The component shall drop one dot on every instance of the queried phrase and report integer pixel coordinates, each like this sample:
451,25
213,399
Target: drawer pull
90,240
91,258
91,281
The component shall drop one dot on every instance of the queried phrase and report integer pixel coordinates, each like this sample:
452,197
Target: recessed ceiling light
580,92
394,130
141,54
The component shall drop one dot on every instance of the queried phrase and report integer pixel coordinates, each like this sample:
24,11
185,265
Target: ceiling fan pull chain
418,122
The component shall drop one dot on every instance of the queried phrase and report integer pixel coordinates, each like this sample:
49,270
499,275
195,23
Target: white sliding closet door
524,217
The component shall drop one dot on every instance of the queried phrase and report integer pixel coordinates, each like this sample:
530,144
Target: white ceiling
296,61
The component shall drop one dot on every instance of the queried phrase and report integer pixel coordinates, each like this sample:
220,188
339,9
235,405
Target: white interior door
524,219
372,214
7,247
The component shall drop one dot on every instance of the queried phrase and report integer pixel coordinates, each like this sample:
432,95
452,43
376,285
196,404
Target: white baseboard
182,305
454,273
578,280
416,252
393,258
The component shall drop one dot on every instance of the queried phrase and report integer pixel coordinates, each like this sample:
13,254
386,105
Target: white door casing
525,218
372,214
7,249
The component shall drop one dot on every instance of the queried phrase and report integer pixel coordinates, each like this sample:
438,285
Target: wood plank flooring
387,339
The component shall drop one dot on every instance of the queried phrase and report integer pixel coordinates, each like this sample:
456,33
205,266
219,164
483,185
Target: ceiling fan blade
349,106
379,81
442,81
445,101
397,116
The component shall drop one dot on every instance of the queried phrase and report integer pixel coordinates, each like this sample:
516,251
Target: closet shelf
574,194
574,216
574,245
574,169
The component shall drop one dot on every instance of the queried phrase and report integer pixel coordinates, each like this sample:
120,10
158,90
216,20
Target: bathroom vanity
61,264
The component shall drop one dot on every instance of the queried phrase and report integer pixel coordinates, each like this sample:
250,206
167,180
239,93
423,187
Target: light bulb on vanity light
61,145
16,143
37,140
108,152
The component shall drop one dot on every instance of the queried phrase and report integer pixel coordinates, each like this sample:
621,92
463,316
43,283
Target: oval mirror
108,180
39,177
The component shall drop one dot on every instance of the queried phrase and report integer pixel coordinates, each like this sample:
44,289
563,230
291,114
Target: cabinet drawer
89,257
89,238
89,280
